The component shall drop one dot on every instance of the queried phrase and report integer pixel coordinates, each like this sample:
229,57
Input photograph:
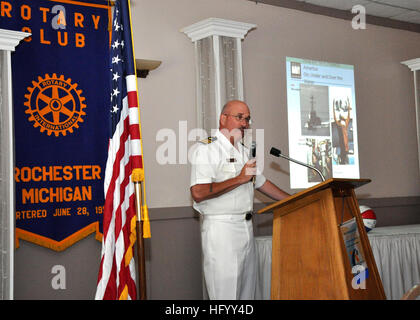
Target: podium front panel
307,258
309,255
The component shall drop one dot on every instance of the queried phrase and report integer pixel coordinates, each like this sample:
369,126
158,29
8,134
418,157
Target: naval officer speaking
223,179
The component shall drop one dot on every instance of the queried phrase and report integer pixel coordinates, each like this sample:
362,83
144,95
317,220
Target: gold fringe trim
53,244
124,293
99,234
146,222
129,253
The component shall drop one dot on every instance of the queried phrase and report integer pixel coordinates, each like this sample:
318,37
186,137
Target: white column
8,41
414,66
217,29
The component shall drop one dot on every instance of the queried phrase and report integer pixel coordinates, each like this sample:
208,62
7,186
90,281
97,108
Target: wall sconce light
144,66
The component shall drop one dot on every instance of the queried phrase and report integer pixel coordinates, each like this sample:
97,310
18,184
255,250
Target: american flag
117,277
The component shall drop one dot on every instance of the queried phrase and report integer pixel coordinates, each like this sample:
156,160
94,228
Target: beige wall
384,88
385,106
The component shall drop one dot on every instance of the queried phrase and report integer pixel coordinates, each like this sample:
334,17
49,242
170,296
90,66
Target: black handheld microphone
277,153
252,155
253,150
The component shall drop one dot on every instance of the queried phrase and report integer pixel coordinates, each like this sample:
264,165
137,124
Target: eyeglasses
240,117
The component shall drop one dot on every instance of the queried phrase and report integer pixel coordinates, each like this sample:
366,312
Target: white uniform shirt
219,161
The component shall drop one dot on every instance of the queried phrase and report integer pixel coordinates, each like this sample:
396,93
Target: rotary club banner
60,97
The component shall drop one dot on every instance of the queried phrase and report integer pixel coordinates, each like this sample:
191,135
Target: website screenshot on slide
321,106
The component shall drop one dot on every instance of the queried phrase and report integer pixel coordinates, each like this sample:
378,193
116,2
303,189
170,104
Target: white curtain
206,97
6,205
417,99
228,69
398,261
218,78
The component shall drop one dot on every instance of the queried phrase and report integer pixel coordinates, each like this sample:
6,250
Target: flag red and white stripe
117,275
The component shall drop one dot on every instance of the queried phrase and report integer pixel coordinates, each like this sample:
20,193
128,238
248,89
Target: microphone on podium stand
277,153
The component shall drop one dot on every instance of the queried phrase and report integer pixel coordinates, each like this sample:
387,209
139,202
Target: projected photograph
342,126
322,121
314,110
319,156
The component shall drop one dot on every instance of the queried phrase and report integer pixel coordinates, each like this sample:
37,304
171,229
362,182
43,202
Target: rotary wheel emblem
55,105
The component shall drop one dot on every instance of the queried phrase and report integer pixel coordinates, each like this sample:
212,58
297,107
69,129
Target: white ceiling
403,10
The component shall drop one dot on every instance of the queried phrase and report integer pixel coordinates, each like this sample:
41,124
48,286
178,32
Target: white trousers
229,259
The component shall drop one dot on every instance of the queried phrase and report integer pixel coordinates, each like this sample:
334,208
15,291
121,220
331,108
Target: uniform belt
246,215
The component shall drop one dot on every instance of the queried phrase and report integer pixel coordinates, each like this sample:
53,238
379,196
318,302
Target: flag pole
143,223
138,179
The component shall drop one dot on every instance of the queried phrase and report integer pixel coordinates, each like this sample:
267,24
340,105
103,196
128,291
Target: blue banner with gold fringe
60,98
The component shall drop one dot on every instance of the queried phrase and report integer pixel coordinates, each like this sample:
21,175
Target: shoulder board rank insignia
208,140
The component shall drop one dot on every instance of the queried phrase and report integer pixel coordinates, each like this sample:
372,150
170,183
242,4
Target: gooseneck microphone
277,153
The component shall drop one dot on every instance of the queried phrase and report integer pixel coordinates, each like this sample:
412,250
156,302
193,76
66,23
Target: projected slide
321,107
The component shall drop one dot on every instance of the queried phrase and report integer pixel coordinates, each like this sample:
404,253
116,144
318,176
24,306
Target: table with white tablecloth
397,255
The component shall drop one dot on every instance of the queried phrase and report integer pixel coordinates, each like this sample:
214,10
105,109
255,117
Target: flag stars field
115,92
115,76
116,59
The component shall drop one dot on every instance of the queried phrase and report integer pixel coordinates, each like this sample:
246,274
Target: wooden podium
309,257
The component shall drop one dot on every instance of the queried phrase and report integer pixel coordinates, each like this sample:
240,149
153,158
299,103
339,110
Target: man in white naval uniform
222,188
